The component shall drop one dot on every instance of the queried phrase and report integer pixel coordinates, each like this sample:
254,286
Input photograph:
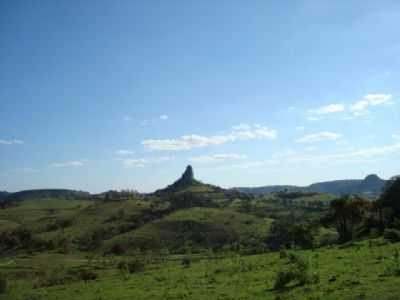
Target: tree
389,202
285,234
347,214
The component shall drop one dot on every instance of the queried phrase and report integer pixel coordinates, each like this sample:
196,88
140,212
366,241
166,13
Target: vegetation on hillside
196,241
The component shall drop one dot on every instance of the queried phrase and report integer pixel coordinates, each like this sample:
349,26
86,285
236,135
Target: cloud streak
360,108
124,152
217,158
144,162
329,109
396,136
357,109
319,137
72,163
11,142
241,132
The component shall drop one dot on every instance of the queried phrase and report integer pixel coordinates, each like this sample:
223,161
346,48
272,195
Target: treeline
350,217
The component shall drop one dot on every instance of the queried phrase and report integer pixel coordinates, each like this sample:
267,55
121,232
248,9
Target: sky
98,95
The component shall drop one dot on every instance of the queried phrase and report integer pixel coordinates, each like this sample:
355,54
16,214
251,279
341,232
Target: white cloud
164,117
143,162
357,109
124,152
217,158
187,142
396,136
291,108
73,163
135,162
360,108
11,142
319,137
329,109
162,159
313,119
256,131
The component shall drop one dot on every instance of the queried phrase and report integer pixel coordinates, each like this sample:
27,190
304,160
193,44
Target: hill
187,212
370,186
46,194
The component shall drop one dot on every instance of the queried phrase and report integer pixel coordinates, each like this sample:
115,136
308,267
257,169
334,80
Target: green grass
352,272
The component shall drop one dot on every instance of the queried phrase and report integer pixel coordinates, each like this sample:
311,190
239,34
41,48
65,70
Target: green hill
47,194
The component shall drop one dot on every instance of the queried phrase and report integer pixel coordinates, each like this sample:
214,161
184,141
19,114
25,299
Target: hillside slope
47,194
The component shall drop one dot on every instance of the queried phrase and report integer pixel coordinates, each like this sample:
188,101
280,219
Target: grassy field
363,270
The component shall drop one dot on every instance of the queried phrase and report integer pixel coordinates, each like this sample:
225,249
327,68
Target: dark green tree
347,214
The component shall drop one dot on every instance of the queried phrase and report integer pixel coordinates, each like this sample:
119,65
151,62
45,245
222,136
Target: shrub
118,249
3,285
283,278
52,277
186,262
298,270
133,266
87,275
392,235
283,254
328,238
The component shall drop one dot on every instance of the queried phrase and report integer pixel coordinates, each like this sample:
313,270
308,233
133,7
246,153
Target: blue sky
98,95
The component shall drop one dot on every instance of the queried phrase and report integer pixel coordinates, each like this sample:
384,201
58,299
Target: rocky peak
185,181
188,175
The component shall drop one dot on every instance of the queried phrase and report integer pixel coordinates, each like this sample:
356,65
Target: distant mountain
46,194
370,186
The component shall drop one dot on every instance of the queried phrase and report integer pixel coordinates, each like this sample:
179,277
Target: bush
283,278
328,238
186,262
52,277
392,235
3,285
133,266
87,275
118,249
283,254
298,270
